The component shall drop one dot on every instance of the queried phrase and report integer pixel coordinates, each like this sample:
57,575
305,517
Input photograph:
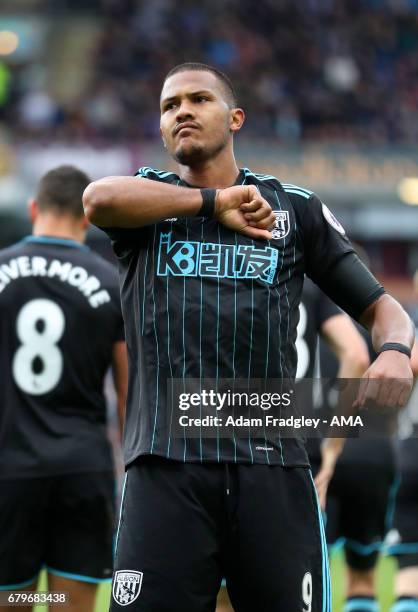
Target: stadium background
329,88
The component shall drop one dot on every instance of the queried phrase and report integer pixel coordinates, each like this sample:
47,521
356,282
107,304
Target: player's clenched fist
244,210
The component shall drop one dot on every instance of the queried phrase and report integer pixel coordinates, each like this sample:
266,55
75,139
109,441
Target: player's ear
33,210
237,119
84,222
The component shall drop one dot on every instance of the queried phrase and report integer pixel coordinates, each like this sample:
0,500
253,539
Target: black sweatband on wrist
208,207
395,346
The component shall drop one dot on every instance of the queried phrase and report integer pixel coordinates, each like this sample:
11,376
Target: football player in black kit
61,328
359,502
209,292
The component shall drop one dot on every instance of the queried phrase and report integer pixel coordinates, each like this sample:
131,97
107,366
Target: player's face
196,121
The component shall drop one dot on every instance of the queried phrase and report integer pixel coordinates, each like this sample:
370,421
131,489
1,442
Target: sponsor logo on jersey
264,448
282,225
332,220
126,586
215,260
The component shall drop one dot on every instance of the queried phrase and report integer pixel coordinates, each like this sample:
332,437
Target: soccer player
360,499
61,328
360,504
209,292
405,544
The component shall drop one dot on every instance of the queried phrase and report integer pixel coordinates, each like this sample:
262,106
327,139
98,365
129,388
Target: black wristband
395,346
208,207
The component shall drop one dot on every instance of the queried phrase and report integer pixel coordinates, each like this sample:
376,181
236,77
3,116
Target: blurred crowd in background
329,88
306,70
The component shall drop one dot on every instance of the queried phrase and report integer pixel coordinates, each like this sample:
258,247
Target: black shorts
359,506
184,526
403,540
64,523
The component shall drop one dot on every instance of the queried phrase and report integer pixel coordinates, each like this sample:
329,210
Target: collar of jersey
238,181
68,242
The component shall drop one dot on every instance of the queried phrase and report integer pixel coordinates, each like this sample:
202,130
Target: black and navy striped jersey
60,316
201,301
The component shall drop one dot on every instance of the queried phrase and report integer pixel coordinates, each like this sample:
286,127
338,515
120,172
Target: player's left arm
120,378
332,264
353,287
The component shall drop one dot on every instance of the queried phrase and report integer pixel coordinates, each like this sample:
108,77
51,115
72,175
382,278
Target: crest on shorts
126,586
282,225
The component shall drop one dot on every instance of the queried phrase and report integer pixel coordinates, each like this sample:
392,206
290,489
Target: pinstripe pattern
217,343
168,355
184,342
280,324
200,349
233,354
169,360
250,350
157,375
143,290
237,324
267,360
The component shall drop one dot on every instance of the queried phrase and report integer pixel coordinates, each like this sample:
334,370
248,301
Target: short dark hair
198,67
61,190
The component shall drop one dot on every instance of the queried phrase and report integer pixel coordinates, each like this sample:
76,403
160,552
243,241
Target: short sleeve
324,238
126,241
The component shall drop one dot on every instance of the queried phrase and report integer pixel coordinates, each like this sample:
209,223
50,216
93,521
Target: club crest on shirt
126,586
282,225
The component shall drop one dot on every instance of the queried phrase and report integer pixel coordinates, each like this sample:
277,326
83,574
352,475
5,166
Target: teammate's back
58,324
61,328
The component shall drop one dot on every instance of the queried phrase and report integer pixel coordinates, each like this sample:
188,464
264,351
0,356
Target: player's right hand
242,209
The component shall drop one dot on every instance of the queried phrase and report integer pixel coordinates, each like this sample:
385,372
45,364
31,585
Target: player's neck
219,172
58,227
